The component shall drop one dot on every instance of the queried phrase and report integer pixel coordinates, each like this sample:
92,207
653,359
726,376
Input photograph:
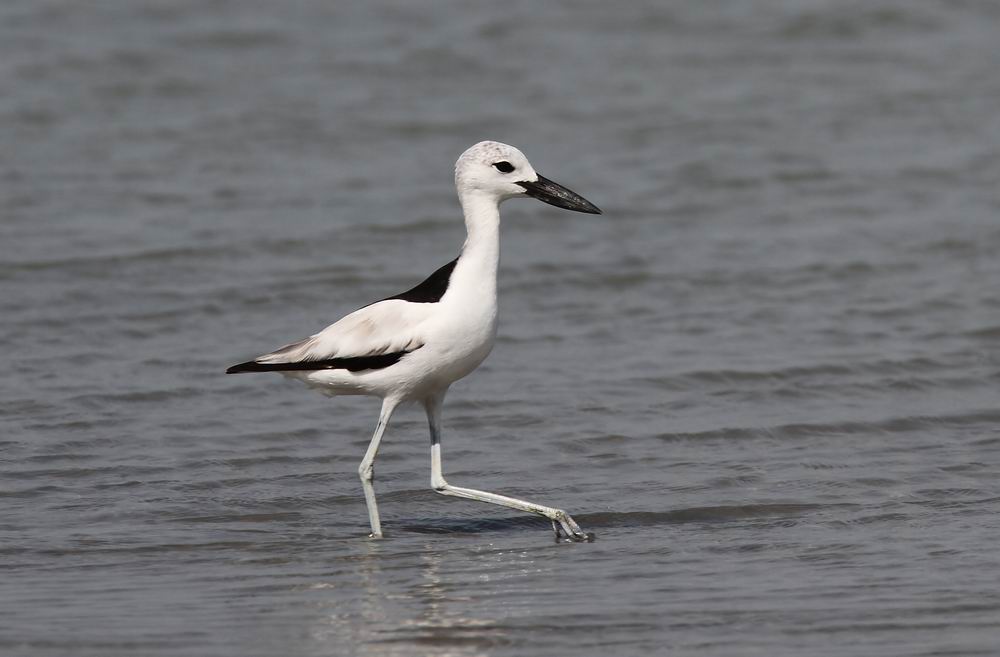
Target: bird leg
367,468
562,523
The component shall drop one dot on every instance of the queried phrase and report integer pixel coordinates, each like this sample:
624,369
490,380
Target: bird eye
503,167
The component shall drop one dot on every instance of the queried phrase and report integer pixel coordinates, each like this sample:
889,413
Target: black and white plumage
414,345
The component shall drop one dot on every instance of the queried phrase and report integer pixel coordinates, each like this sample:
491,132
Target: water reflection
458,605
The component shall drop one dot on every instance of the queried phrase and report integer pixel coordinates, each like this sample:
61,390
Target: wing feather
382,329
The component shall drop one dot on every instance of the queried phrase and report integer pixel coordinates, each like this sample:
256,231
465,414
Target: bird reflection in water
446,610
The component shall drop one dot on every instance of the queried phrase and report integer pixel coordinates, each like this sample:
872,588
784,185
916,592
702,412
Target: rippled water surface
767,377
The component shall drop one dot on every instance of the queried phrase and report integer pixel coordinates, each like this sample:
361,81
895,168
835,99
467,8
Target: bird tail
254,366
349,363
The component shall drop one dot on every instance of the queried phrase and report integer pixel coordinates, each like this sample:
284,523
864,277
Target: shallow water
767,377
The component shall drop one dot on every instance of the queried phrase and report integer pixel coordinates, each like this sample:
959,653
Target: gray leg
559,518
367,468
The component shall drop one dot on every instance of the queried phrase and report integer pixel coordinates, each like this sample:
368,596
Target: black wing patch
351,364
432,289
429,291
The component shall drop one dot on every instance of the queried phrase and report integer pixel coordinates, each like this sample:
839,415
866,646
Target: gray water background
767,377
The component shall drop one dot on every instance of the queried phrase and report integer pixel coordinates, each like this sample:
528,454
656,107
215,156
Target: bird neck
480,259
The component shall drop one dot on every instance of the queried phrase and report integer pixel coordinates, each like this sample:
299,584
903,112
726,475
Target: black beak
555,194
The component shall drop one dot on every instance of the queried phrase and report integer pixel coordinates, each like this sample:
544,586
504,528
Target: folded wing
373,337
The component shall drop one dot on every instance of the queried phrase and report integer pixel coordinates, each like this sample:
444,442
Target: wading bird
412,346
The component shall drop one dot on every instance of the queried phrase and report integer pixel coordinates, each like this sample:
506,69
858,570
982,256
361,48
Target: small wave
232,39
855,23
610,519
470,525
920,364
224,518
890,425
985,333
706,514
101,262
166,394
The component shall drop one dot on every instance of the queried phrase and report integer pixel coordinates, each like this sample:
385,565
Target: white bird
412,346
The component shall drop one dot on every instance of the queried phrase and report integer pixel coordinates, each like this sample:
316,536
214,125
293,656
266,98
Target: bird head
502,172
